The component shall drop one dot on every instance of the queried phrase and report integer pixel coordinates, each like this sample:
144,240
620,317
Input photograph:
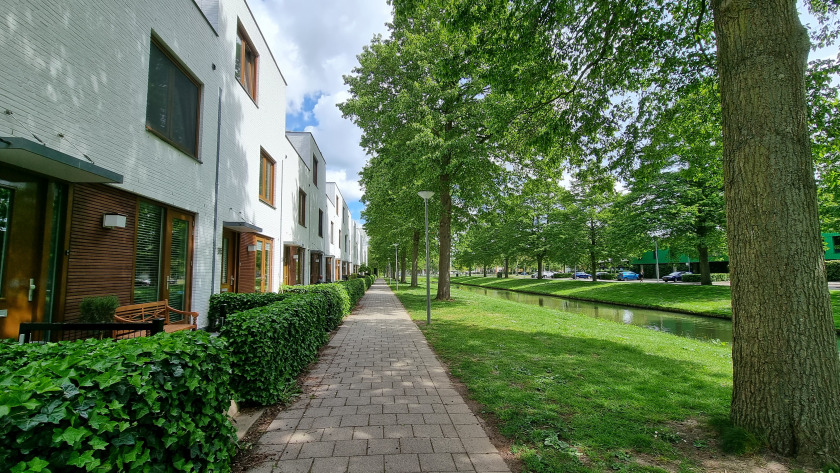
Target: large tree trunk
443,293
402,266
507,262
415,249
705,271
593,264
539,267
786,380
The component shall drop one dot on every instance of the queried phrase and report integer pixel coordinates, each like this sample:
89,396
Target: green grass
714,301
576,394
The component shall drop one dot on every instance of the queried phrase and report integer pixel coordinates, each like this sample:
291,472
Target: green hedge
561,275
696,277
338,300
237,302
154,404
369,280
356,289
270,345
832,270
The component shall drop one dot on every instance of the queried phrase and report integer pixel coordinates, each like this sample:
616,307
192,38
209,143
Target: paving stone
316,449
330,465
293,466
350,448
415,445
383,446
402,463
478,445
448,445
436,462
366,464
488,462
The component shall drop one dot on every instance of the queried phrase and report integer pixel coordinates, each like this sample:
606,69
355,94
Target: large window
301,207
266,178
172,102
315,170
332,232
263,261
246,63
320,223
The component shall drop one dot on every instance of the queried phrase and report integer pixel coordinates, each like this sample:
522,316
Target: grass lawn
692,299
573,393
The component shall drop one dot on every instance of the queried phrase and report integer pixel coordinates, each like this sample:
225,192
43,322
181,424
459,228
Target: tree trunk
786,372
445,229
592,263
539,267
484,270
402,266
507,261
415,249
705,272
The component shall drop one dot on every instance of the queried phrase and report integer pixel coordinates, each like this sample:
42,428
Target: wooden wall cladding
247,263
101,260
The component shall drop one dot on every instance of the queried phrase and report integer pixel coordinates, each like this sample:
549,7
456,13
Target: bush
607,276
237,302
355,289
561,275
99,309
369,280
338,301
153,404
270,345
714,276
832,270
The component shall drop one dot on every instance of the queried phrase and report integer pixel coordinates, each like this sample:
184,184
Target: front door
177,263
22,217
230,260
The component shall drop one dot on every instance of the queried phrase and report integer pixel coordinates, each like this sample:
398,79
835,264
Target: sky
315,43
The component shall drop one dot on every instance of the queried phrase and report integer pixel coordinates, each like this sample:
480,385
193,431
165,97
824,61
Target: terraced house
143,153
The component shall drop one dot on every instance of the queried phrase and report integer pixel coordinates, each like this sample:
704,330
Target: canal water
691,326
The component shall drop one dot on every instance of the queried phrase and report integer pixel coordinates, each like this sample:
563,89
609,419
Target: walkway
379,401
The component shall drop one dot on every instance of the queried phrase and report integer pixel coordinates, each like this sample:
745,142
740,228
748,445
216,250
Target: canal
691,326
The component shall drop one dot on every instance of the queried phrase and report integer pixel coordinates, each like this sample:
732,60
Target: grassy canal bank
578,394
713,301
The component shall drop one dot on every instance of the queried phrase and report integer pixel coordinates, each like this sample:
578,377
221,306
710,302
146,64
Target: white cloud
349,185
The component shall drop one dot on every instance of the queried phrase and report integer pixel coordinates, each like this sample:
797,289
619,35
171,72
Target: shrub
99,309
832,270
607,276
561,275
237,302
369,280
153,404
355,289
338,301
270,345
714,276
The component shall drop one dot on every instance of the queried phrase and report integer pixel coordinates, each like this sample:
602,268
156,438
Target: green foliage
237,302
355,289
99,309
714,276
270,345
153,404
735,439
832,270
338,300
562,275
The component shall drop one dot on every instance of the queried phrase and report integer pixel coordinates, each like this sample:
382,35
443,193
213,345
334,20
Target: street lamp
396,266
426,195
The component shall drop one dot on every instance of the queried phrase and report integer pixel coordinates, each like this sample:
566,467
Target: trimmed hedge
270,345
238,302
369,280
714,276
338,300
562,275
154,404
355,289
832,270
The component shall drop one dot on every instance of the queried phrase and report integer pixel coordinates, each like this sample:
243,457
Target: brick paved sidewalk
380,402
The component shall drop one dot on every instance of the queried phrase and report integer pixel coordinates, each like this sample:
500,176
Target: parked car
675,276
581,275
545,274
628,276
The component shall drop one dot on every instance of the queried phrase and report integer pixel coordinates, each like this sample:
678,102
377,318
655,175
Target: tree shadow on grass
598,396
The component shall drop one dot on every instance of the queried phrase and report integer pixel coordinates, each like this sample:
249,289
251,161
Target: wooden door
230,260
22,207
177,260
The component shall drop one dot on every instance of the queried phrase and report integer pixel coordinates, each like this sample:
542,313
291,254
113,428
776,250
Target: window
315,170
320,223
301,207
336,205
347,243
263,259
835,240
332,232
246,63
266,178
339,239
172,102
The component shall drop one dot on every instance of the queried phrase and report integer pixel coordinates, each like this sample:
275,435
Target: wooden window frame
162,135
267,178
301,207
247,45
265,269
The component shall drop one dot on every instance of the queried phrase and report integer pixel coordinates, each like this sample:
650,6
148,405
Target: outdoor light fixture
426,195
396,266
113,221
252,247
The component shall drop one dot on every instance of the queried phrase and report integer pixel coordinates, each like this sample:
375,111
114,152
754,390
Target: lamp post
396,266
426,195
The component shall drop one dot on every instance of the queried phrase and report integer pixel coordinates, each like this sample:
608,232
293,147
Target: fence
54,332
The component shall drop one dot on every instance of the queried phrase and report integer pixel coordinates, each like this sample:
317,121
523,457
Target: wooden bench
156,310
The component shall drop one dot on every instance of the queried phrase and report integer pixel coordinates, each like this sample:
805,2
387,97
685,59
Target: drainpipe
216,196
282,245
